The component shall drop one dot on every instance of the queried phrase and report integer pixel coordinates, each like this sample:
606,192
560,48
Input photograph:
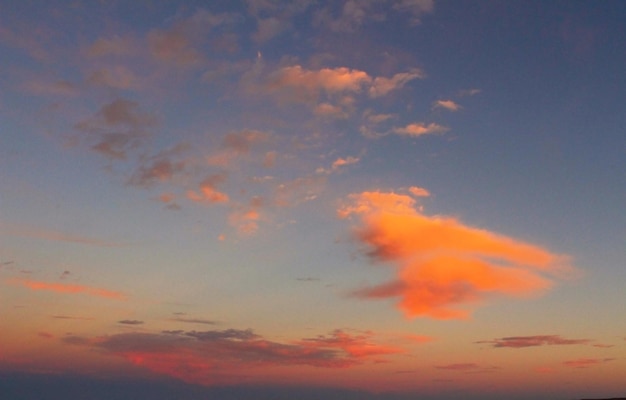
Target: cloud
66,288
246,218
447,104
419,129
586,362
354,13
118,127
208,192
341,162
444,266
381,86
419,192
531,341
130,322
205,356
459,367
173,47
57,88
115,46
117,77
161,167
193,320
47,234
306,85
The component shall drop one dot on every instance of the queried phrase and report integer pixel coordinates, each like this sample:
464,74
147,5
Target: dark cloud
192,320
161,167
531,341
213,355
117,128
130,322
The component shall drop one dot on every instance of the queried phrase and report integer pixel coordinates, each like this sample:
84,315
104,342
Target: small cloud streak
444,264
193,320
532,341
68,289
208,192
420,129
586,362
46,234
130,322
458,367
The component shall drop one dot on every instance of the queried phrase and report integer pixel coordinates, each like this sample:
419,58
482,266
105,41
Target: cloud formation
202,356
447,104
443,265
532,341
67,288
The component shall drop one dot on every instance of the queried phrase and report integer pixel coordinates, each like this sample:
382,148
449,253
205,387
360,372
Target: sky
381,199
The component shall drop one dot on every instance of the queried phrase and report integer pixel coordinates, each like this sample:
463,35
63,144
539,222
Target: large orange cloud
444,265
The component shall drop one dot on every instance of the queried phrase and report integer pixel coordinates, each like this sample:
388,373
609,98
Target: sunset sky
361,199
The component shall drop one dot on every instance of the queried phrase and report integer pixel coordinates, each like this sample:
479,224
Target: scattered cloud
447,104
419,129
68,288
161,167
444,265
341,162
531,341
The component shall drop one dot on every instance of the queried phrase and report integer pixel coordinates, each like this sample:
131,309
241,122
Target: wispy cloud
445,266
532,341
66,288
193,320
47,234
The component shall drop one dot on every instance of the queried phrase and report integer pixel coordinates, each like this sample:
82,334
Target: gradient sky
377,198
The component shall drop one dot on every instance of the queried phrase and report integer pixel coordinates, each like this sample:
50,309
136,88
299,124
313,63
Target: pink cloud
444,265
66,288
419,192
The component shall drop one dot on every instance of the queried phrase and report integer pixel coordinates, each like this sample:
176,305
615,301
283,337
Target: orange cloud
382,86
419,129
444,265
208,192
68,288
